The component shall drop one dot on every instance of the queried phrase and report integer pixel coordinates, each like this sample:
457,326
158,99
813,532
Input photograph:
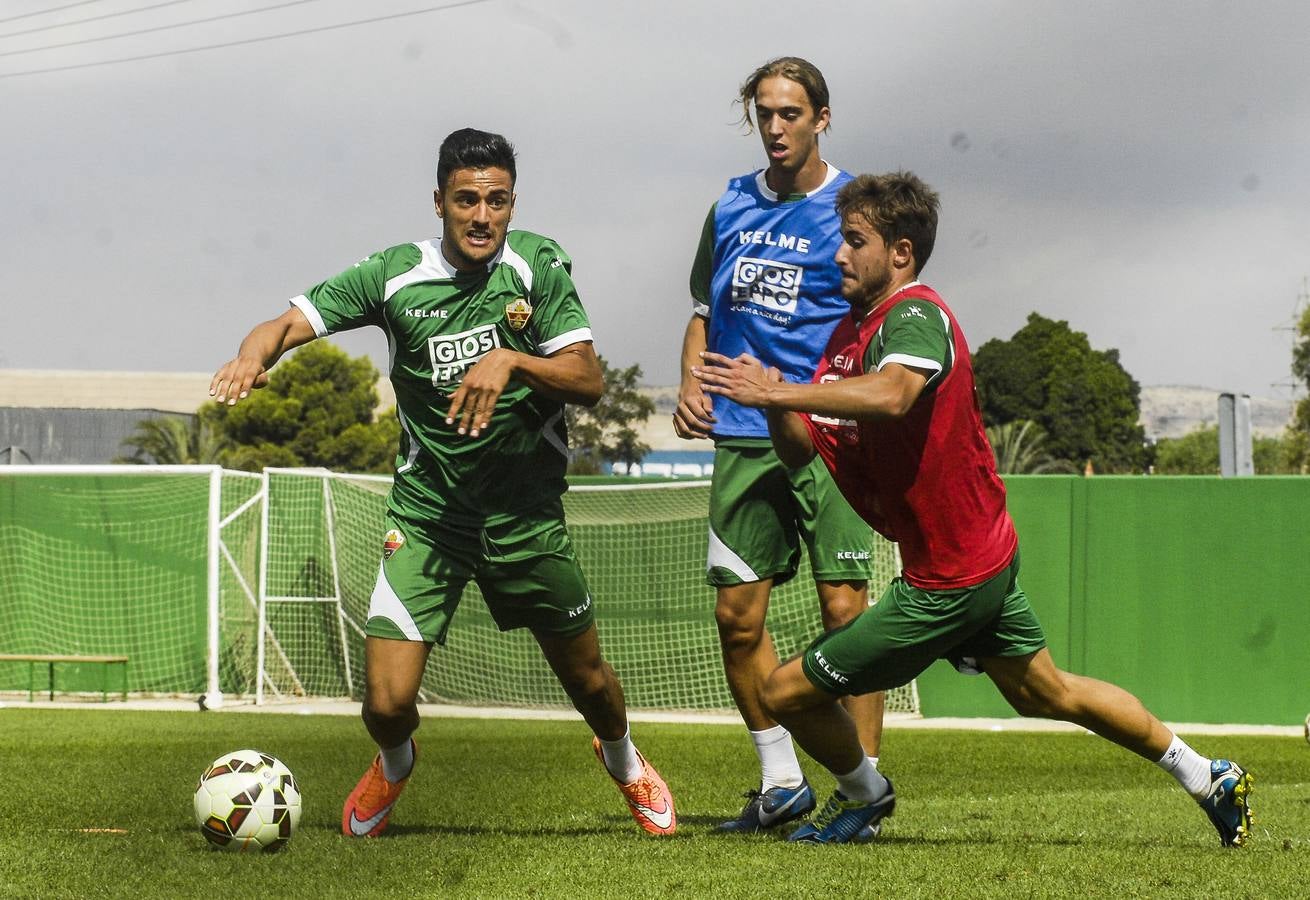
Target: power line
42,12
112,15
258,40
123,34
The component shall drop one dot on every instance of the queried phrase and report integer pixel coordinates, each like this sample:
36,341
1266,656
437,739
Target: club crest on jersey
518,313
392,542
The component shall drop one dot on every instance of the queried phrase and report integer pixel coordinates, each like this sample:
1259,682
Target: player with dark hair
764,282
893,414
488,342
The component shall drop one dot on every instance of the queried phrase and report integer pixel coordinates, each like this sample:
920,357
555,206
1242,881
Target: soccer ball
247,800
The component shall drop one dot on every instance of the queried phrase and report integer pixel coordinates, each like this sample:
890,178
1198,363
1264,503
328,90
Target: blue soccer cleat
1228,802
771,808
845,821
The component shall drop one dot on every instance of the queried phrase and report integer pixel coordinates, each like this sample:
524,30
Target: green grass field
521,809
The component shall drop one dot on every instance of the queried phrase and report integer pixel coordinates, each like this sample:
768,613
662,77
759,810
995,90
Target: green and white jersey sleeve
702,268
916,333
439,323
354,298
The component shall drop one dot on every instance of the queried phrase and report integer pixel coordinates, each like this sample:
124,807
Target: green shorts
526,571
909,628
760,511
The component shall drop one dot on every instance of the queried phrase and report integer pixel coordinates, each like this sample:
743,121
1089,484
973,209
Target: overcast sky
1137,169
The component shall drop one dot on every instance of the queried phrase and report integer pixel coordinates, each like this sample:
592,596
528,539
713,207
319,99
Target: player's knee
738,628
1027,705
587,689
386,708
1041,702
587,685
841,610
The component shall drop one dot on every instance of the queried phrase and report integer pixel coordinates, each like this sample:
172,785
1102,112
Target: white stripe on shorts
384,604
722,557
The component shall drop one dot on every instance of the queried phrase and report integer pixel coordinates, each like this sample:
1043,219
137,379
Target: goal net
155,563
642,548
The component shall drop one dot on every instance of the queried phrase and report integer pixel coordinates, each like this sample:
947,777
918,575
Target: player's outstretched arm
261,348
571,374
694,417
886,394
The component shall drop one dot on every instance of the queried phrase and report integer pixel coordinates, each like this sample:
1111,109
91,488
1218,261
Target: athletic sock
1190,768
621,758
779,766
865,783
398,762
873,761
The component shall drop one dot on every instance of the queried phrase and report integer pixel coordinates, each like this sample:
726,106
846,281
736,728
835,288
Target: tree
1082,399
1296,440
1197,453
177,440
317,410
1018,448
605,433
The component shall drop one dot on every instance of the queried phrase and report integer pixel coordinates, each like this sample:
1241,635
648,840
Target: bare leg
393,671
1035,687
841,602
588,680
815,719
748,654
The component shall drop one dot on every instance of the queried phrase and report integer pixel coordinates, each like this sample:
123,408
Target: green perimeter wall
1191,592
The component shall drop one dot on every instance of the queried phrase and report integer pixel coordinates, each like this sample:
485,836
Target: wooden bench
52,660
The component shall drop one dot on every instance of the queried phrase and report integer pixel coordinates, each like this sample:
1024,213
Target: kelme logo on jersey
766,282
518,313
454,354
392,542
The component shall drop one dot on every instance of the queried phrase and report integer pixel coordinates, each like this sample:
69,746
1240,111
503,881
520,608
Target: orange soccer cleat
368,808
648,797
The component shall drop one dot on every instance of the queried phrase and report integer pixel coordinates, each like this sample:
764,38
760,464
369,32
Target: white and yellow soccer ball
247,801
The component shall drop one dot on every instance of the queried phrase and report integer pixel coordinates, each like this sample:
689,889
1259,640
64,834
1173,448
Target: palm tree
174,440
1017,447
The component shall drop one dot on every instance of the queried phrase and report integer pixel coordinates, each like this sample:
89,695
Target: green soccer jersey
440,322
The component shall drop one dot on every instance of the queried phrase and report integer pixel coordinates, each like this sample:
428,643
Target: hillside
1172,410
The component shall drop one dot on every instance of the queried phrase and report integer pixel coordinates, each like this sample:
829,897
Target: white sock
779,766
865,783
398,762
873,760
1190,768
621,758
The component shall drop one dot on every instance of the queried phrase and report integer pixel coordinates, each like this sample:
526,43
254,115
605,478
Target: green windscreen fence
1188,591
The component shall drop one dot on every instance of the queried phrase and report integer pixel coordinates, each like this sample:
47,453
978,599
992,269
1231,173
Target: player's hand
236,379
694,417
743,379
475,399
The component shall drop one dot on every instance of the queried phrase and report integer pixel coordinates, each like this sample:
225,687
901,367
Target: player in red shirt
892,412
